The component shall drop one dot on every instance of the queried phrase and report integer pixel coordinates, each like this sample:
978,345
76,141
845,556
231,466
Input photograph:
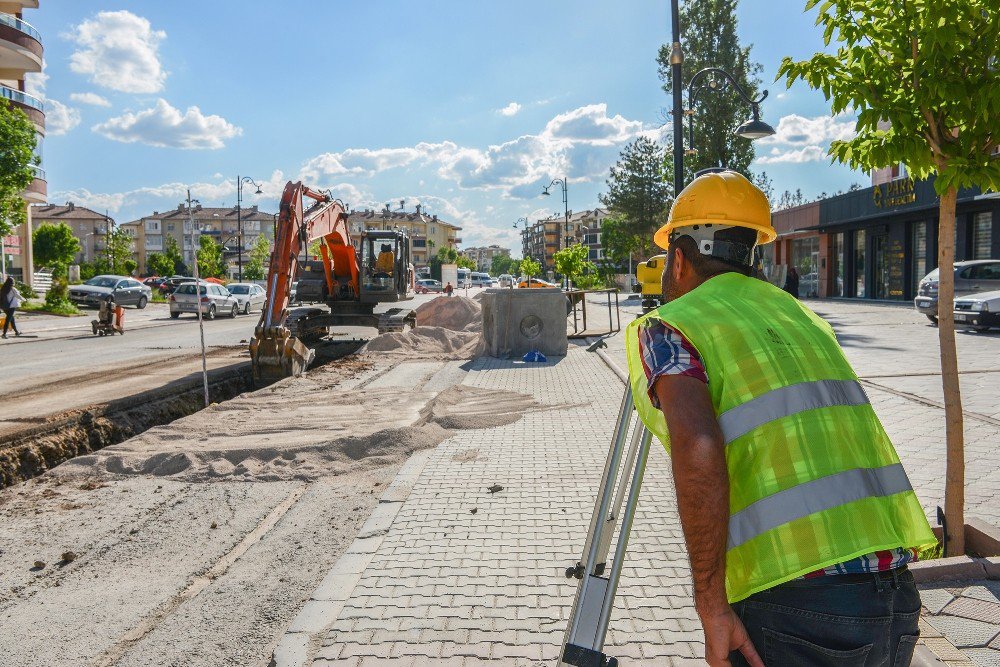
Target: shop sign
12,245
894,193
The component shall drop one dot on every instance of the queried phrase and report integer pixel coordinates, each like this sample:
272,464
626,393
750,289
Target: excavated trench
59,437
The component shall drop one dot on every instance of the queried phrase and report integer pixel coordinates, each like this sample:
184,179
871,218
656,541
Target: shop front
878,242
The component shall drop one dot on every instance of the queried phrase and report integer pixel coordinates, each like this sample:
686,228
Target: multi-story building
483,257
544,238
427,233
21,54
89,227
152,232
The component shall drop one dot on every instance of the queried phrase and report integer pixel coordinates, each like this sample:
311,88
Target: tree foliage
529,267
172,251
638,197
119,250
18,139
158,264
924,79
260,254
709,38
500,264
210,261
464,262
619,245
54,246
573,262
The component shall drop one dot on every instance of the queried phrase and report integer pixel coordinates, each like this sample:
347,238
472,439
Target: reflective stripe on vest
815,496
787,401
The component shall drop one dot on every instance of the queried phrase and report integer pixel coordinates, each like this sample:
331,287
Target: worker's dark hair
704,266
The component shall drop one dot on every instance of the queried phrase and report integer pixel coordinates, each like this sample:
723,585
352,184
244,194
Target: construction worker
386,260
798,517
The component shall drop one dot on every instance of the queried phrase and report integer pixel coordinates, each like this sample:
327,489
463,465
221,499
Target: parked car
250,296
152,282
535,283
427,286
126,291
213,300
978,311
170,284
506,280
971,277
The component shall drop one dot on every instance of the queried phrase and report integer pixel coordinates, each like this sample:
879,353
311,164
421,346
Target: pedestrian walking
798,516
448,289
792,282
10,301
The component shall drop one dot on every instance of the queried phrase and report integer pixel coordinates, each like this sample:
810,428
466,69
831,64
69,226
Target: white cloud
167,127
119,50
34,83
59,118
510,110
795,156
92,99
799,130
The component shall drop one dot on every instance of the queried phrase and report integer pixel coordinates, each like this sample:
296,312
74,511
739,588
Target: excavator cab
385,266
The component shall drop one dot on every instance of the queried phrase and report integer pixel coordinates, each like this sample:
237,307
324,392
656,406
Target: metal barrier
578,305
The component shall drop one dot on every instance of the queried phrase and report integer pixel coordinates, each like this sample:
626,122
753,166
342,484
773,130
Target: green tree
18,138
572,262
447,255
709,38
119,249
464,262
172,251
500,264
618,243
210,262
638,197
924,80
54,246
159,264
259,256
530,268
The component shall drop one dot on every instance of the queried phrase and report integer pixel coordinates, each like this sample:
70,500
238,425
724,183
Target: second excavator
349,279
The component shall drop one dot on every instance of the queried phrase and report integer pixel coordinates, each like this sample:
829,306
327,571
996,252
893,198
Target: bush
58,295
26,290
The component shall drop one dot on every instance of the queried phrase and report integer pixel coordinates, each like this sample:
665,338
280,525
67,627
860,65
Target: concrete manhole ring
531,327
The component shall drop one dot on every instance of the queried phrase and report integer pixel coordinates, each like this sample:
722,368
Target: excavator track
395,320
300,327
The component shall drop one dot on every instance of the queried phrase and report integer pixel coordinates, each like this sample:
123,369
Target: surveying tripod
583,644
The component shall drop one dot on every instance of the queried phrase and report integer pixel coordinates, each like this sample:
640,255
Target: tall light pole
239,215
565,198
751,129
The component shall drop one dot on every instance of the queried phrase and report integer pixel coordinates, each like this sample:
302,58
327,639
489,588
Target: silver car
978,275
214,300
124,290
250,296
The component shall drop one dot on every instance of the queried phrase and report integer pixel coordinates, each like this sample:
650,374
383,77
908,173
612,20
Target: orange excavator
350,280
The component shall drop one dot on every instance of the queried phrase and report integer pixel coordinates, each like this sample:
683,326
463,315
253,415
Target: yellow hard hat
721,199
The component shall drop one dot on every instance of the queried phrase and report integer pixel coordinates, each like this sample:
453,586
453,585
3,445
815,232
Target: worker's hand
725,633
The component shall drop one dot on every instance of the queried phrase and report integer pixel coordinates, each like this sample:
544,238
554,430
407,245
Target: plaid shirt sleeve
665,351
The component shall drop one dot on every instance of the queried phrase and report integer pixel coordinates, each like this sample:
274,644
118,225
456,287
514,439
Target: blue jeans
847,620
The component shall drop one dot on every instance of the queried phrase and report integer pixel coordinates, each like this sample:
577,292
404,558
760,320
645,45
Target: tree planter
982,544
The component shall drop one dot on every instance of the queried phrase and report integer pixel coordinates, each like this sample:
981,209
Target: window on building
919,254
838,264
982,235
170,226
859,263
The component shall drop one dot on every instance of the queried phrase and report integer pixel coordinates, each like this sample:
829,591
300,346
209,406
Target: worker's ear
680,265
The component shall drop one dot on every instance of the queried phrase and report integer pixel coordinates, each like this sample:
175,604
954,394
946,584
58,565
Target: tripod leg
611,519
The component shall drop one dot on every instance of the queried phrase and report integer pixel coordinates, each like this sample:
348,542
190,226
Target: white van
507,280
481,279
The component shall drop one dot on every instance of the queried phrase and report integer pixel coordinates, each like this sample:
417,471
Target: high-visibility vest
813,478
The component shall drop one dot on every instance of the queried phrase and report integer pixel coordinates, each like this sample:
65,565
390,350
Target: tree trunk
954,489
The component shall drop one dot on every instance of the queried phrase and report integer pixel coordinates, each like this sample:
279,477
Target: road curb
304,635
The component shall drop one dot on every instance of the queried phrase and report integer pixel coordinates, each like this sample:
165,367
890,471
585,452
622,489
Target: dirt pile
447,327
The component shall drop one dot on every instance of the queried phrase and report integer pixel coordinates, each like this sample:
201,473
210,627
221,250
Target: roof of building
398,216
200,212
68,211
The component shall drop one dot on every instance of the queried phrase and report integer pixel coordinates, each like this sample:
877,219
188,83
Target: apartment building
483,257
545,237
427,233
221,223
88,226
21,53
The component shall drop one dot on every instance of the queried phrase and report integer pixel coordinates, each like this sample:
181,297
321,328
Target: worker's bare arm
698,459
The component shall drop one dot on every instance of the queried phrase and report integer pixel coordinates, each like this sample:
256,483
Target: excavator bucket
276,354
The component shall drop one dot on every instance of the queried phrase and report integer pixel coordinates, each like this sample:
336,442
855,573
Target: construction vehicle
649,275
350,286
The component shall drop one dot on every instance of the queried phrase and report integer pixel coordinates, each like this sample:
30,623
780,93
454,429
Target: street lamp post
197,293
751,129
565,198
239,215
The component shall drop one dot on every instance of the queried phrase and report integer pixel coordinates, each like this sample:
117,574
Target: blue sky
465,107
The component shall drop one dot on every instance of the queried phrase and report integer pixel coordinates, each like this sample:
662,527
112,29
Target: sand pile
447,327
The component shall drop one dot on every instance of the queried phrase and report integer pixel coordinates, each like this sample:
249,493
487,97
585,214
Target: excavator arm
274,351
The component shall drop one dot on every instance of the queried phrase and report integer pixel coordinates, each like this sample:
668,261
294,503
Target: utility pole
676,83
197,294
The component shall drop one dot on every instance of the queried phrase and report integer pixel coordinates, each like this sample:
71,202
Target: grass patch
158,298
930,552
63,309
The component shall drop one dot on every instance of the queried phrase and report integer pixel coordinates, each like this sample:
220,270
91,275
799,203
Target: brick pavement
456,575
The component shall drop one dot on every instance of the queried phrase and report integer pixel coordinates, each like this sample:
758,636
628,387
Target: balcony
20,47
37,191
33,107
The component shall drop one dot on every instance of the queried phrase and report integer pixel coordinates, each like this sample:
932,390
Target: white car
978,311
250,296
213,299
